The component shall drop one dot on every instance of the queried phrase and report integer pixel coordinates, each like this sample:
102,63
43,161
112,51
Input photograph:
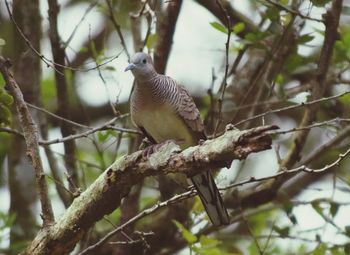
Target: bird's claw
148,151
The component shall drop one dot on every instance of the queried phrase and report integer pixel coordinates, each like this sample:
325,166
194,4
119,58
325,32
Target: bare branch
227,47
106,126
30,133
294,12
292,107
117,27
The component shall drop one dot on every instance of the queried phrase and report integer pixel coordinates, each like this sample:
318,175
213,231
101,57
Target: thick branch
165,30
58,53
105,194
31,136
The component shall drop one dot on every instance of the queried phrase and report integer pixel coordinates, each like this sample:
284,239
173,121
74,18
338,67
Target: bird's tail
211,198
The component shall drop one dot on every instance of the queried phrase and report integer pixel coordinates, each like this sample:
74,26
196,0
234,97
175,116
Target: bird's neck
149,89
147,77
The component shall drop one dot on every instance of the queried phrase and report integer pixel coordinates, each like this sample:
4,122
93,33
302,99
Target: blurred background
238,59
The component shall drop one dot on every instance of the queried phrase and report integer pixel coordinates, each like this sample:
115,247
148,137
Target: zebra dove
164,110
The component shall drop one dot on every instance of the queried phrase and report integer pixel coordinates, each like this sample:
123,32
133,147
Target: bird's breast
162,123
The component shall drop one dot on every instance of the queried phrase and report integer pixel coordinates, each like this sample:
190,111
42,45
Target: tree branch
165,30
30,133
58,53
105,194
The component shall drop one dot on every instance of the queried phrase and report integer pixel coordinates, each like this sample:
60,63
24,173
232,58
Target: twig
294,12
41,56
290,172
319,83
57,116
144,213
30,133
318,124
192,192
227,48
49,62
325,147
256,242
107,125
117,27
305,104
11,131
90,7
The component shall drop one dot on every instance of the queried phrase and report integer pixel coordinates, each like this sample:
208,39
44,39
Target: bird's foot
154,147
145,143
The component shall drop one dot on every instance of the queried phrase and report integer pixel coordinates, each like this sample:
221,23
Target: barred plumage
164,110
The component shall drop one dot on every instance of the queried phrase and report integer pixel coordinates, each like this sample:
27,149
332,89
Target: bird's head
141,66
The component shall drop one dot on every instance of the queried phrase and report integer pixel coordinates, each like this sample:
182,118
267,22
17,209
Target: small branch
144,213
317,124
11,131
30,133
106,126
117,27
50,63
227,48
294,12
90,7
292,107
291,172
57,116
319,84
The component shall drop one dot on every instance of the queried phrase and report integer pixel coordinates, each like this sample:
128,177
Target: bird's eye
144,61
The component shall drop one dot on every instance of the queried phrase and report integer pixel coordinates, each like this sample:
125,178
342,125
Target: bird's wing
188,110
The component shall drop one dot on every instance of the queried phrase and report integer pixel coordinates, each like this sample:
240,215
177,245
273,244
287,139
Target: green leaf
320,250
345,99
110,68
151,41
2,42
316,206
273,14
305,38
334,208
102,136
219,27
5,115
320,3
288,207
187,235
6,99
283,232
208,242
347,248
347,231
239,27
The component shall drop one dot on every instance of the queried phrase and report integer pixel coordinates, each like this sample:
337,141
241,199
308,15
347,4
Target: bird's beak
130,67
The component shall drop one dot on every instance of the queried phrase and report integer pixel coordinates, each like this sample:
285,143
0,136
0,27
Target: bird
164,110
